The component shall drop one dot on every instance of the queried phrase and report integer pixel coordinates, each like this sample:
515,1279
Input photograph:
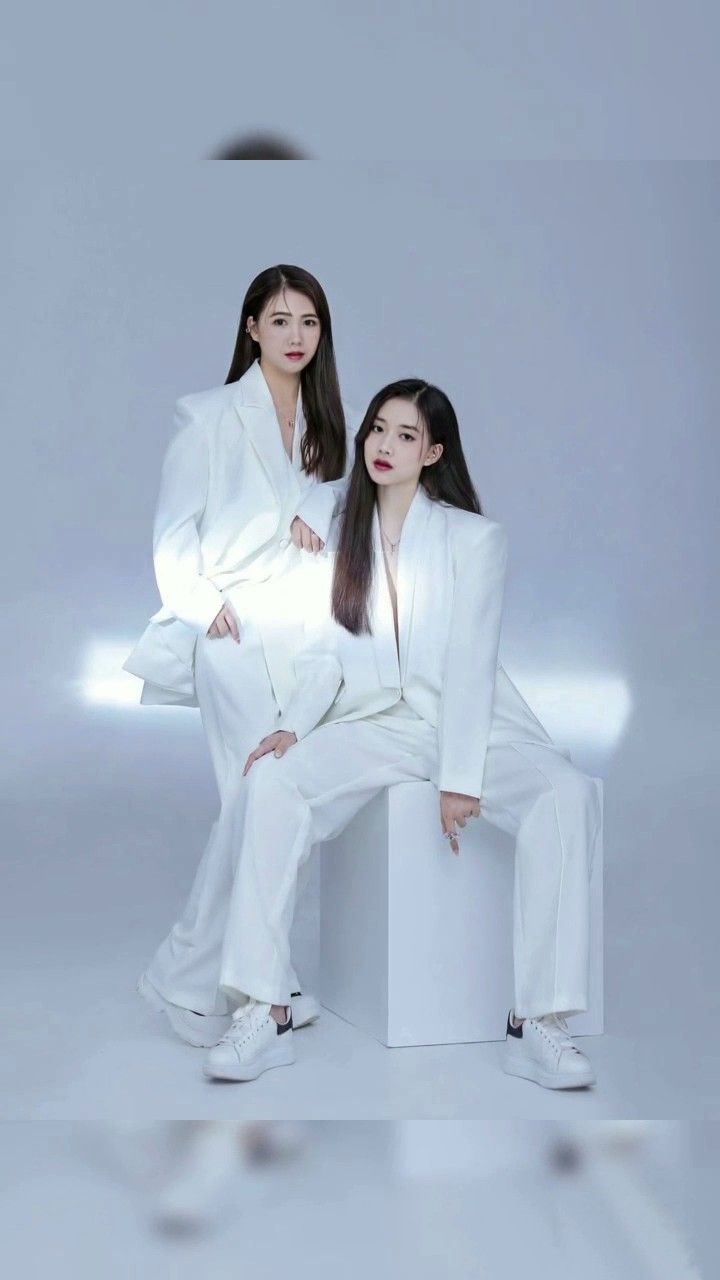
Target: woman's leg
532,791
238,709
294,802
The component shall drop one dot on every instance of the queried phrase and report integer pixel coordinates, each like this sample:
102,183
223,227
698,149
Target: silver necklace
392,545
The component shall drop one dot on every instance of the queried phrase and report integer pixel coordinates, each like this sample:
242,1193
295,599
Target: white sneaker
305,1009
253,1043
204,1030
542,1050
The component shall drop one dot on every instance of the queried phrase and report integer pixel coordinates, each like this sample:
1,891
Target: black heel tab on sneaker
282,1027
514,1031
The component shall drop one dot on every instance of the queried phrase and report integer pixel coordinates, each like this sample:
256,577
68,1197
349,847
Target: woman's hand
278,743
455,809
225,624
303,536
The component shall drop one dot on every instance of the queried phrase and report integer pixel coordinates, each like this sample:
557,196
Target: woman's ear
252,328
433,453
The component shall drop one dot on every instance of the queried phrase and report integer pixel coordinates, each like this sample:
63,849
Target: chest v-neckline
289,453
392,591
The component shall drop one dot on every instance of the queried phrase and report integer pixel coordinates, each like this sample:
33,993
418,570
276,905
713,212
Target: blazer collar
393,670
254,406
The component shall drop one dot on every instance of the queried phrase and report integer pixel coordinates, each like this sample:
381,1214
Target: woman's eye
279,320
312,323
376,427
405,435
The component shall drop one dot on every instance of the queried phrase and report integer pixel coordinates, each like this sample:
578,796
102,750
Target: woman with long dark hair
402,670
246,458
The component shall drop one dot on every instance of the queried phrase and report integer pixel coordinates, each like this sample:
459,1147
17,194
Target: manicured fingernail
278,753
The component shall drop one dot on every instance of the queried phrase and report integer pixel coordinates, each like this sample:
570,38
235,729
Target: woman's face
287,331
398,445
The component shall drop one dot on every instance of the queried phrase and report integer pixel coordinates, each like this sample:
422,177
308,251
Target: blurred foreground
424,1198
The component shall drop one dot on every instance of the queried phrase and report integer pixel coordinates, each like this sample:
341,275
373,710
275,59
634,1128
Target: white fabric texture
228,494
450,582
286,805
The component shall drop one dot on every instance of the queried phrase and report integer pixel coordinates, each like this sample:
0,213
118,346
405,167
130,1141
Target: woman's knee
576,790
268,774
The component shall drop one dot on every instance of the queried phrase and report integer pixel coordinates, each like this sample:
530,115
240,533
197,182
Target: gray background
565,296
569,312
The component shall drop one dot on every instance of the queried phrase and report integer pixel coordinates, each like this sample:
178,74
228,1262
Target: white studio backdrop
568,309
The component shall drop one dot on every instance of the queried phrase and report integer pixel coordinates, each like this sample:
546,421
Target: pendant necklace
392,545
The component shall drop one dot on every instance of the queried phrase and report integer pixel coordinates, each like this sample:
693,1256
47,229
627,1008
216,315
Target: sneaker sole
305,1009
279,1057
200,1038
548,1080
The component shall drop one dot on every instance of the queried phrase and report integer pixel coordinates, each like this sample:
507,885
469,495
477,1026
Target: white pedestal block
416,944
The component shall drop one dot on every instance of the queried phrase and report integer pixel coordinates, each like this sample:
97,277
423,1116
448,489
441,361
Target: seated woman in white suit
399,680
245,459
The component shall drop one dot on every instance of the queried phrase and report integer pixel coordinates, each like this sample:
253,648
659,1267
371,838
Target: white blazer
228,494
450,582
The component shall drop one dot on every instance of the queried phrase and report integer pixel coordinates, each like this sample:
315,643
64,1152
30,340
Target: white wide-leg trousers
238,708
530,790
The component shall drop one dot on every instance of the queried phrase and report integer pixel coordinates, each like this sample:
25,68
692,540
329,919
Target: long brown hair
447,480
323,445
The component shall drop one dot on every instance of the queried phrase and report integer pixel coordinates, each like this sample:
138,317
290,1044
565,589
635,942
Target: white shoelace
245,1027
559,1030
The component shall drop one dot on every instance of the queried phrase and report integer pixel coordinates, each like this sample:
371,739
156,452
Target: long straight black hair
323,446
447,480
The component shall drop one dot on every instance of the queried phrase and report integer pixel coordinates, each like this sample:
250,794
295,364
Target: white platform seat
416,944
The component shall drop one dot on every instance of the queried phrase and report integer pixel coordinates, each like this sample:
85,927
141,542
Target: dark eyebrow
403,426
289,313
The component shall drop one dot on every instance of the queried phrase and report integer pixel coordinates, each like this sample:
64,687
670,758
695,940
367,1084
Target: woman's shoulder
470,523
201,405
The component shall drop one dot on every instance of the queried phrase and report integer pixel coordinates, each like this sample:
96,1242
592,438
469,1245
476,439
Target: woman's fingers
315,542
232,625
448,826
261,750
296,532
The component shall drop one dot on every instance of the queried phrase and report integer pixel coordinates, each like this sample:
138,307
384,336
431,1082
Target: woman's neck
284,387
394,502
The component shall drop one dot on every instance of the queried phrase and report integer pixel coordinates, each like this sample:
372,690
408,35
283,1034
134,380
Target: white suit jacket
228,494
450,582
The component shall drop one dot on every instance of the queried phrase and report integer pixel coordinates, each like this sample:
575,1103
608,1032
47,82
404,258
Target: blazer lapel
255,409
410,558
381,615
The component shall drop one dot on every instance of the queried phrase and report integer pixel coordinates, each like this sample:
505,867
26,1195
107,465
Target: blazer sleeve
319,676
468,687
176,536
323,501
